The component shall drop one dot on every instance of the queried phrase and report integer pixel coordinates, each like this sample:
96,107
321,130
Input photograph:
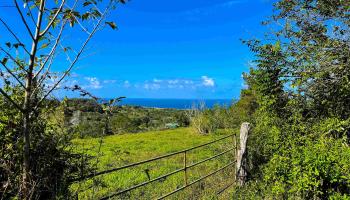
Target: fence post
241,166
185,168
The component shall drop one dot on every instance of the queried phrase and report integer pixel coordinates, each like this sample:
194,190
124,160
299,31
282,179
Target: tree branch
75,59
42,78
82,27
24,20
13,75
67,55
31,15
12,101
13,34
53,49
53,19
13,59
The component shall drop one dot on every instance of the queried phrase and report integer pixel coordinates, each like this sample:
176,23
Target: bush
296,158
84,105
121,123
53,163
182,119
203,123
206,121
310,169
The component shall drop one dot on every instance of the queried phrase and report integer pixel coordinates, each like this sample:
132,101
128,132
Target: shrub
202,123
120,124
310,169
53,162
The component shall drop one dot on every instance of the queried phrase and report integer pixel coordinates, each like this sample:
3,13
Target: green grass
119,150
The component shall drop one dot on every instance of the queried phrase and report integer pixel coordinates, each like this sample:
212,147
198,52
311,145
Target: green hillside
119,150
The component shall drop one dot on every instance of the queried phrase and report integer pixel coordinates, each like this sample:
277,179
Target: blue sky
172,49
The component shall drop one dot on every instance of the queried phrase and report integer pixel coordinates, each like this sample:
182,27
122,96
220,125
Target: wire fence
232,147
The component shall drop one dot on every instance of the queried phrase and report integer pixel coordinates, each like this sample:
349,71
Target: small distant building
172,125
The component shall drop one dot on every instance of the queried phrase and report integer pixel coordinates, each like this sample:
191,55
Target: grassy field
119,150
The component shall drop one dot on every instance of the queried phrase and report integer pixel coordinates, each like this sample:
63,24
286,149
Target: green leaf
95,13
44,46
85,16
86,3
112,25
65,49
18,45
4,60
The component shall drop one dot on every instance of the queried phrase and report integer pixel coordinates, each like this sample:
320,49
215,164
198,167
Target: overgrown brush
54,163
299,146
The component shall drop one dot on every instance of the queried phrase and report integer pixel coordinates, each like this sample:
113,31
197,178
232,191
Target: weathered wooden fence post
241,166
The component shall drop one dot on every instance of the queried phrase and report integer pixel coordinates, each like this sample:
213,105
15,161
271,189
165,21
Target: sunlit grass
119,150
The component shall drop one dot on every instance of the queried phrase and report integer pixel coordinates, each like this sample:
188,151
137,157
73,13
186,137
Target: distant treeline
86,117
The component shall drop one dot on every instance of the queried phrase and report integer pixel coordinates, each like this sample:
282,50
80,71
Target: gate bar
146,161
206,176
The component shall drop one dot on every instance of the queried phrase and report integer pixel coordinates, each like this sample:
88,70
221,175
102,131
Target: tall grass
124,149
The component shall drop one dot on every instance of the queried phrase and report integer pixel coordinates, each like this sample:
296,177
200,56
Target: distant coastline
175,103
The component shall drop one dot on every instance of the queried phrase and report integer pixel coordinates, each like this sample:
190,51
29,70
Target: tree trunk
25,190
26,186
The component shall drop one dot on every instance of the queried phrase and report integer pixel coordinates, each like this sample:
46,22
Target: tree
27,61
300,140
316,39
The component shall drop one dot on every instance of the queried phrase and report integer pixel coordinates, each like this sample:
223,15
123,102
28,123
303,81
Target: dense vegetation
119,150
297,99
299,146
36,156
85,117
208,120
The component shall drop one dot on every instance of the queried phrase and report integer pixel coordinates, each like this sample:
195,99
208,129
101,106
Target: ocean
175,103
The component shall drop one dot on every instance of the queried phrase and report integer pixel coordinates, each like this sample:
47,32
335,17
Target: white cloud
188,82
94,83
178,83
151,86
109,81
208,82
74,75
156,84
127,84
175,81
71,83
157,80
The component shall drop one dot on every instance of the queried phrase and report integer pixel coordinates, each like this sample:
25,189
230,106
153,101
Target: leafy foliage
54,164
36,161
86,118
299,147
205,121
